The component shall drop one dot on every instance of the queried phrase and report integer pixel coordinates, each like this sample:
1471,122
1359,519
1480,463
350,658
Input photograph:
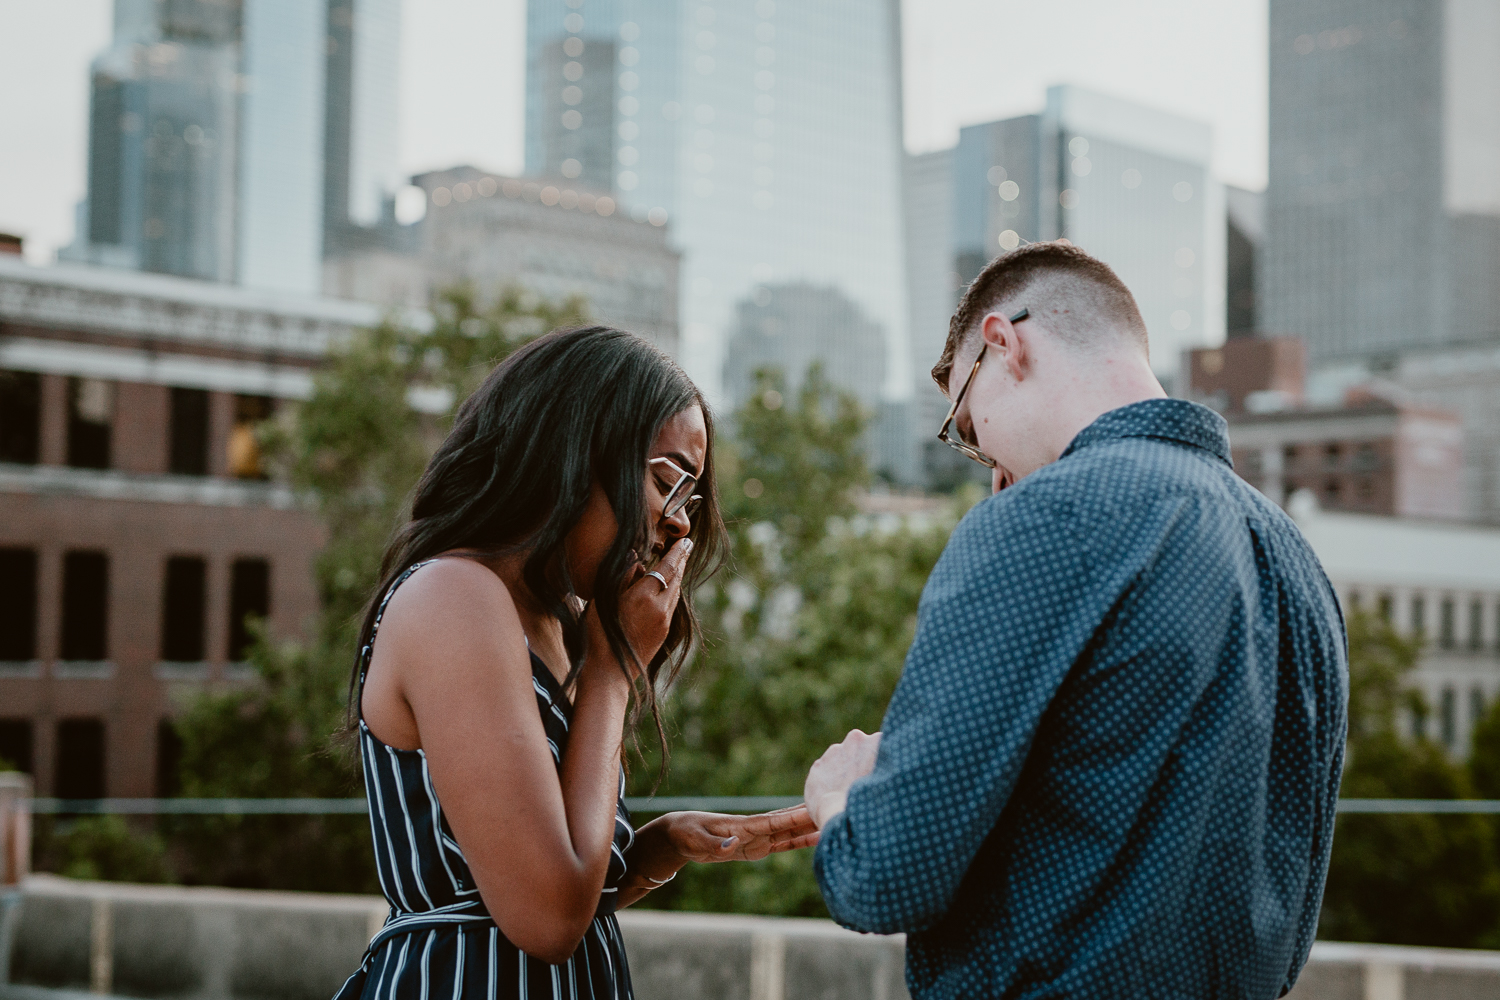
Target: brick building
1377,451
138,528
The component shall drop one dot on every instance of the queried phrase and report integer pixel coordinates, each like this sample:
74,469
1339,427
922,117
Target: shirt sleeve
1003,617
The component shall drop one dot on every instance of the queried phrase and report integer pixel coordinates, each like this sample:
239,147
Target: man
1110,766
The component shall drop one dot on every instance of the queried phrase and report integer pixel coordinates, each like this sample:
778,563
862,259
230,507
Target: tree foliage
1416,879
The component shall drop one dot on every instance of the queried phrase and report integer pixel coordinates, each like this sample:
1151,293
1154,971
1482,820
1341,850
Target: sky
462,82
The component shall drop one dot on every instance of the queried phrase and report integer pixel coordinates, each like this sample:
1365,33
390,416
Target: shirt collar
1168,419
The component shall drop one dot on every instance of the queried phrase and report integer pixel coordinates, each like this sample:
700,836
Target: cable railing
335,807
637,804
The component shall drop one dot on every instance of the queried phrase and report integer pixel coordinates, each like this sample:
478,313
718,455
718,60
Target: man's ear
1011,345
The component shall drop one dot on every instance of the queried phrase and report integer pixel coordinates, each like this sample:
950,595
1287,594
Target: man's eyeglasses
679,497
958,444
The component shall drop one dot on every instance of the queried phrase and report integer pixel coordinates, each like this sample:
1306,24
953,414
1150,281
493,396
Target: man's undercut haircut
1077,297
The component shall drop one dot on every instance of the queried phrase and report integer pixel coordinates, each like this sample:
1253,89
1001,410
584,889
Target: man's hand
841,765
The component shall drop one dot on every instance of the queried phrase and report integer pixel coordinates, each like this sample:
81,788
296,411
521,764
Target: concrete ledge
167,941
100,939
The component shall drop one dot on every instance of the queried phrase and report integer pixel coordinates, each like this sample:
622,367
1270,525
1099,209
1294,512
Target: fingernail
687,546
728,842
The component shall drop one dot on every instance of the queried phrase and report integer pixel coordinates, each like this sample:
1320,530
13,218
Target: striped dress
439,941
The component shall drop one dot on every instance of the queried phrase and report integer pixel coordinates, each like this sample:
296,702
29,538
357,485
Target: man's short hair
1077,297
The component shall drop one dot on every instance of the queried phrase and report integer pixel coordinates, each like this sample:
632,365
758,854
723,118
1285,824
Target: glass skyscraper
768,135
1129,184
240,140
1383,208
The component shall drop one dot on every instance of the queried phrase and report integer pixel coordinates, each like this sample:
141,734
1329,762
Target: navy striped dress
439,940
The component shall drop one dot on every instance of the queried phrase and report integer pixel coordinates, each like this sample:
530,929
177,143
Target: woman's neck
543,630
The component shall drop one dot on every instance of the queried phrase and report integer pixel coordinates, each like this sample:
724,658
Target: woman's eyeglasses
680,496
958,444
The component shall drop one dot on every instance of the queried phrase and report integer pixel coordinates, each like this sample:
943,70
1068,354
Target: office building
792,327
138,527
1128,184
1430,579
933,286
767,135
1374,449
1383,214
240,141
1244,234
556,240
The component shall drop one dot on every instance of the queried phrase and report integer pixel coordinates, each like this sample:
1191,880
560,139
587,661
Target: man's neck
1113,382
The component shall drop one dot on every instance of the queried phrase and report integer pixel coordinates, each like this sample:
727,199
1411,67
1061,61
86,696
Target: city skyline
463,69
765,135
240,142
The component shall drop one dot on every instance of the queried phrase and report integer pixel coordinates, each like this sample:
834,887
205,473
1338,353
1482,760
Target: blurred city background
254,252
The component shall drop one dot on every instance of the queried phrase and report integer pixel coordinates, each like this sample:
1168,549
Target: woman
544,580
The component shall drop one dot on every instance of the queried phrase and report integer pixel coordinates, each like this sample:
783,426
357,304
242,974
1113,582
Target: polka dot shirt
1111,764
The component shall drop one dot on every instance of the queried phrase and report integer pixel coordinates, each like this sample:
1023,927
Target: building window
1289,456
182,598
249,598
91,409
1418,615
17,605
1448,623
1384,607
1331,455
80,759
1447,718
15,745
85,610
168,759
20,417
1476,625
244,449
1332,492
1366,459
1476,705
189,430
1365,488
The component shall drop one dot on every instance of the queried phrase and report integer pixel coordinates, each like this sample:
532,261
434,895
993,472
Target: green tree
806,632
355,451
1404,879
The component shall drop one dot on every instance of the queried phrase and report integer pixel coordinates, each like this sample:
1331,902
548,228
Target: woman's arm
538,846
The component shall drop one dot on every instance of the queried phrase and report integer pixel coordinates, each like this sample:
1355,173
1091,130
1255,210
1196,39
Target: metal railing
641,804
334,807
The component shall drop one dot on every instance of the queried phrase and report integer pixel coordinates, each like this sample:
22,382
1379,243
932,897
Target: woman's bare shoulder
449,604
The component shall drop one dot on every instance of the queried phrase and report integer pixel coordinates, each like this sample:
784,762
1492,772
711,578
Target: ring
659,577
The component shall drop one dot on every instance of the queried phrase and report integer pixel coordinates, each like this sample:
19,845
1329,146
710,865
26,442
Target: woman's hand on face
706,837
646,605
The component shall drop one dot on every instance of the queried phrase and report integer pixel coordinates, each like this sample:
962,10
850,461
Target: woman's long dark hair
567,410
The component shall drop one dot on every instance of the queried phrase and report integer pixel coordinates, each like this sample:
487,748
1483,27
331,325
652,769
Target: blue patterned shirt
1110,766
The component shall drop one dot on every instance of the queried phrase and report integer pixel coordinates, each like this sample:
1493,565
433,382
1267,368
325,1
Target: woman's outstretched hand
668,842
704,836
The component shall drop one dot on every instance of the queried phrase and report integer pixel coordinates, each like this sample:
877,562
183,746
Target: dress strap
369,648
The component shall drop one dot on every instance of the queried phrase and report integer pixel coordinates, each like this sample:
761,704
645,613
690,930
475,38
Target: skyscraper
1383,209
240,140
1128,184
768,134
